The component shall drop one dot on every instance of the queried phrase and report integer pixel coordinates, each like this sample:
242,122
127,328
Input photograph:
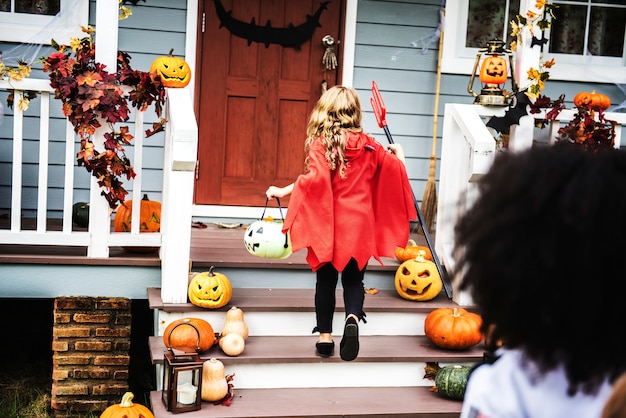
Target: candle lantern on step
493,75
182,381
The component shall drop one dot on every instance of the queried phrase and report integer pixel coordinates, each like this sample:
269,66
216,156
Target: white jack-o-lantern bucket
265,238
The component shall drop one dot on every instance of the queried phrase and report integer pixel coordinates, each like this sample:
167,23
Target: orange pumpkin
410,251
592,100
149,220
210,289
418,279
493,70
453,328
189,335
127,409
174,71
149,216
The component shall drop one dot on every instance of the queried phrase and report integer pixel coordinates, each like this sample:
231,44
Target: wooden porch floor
211,245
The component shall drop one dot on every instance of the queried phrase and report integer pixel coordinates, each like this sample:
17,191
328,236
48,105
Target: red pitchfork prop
380,111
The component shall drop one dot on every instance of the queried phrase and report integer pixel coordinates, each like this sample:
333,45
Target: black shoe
349,347
325,349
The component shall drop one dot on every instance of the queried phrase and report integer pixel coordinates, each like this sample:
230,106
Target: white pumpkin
266,239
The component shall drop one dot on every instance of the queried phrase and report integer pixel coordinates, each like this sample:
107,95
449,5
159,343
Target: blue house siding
395,46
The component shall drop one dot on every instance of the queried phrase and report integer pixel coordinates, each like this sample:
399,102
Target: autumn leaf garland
92,96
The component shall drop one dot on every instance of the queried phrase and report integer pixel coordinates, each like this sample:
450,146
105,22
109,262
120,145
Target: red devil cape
366,214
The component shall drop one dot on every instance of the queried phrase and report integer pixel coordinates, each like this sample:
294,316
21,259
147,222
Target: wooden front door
260,72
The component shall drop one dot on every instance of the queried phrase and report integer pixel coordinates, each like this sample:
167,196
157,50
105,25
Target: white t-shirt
504,389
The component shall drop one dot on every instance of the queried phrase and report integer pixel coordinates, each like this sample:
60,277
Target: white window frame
31,28
457,59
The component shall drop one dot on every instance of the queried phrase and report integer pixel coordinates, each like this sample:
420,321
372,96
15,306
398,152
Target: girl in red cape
352,202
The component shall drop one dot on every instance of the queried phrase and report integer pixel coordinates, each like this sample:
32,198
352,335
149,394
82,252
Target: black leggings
325,288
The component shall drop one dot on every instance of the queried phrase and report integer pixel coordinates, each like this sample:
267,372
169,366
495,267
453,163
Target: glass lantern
182,382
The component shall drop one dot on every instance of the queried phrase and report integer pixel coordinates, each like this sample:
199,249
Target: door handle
329,60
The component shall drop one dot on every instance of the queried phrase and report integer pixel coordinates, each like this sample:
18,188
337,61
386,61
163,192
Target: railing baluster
44,145
16,181
68,192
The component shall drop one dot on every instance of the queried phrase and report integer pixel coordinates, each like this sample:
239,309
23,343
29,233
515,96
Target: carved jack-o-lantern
418,279
265,238
493,70
210,289
174,71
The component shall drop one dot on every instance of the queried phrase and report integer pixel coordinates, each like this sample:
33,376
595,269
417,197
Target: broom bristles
429,204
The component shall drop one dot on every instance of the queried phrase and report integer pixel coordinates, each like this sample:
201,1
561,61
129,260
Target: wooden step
297,349
355,402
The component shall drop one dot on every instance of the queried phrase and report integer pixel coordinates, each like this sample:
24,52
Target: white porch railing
468,150
180,149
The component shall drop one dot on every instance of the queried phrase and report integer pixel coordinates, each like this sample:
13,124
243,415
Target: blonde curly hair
338,110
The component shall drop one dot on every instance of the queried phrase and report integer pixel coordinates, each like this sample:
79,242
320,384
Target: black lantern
493,75
182,381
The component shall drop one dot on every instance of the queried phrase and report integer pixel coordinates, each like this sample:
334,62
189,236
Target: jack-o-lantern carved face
266,239
493,70
210,290
418,279
174,71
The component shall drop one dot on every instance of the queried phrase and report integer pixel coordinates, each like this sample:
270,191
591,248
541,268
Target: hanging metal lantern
493,75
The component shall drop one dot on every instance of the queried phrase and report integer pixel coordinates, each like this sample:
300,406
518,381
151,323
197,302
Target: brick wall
90,360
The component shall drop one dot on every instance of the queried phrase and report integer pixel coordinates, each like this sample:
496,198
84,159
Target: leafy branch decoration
92,96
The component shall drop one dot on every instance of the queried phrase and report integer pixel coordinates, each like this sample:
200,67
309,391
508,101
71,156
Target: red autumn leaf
431,370
156,128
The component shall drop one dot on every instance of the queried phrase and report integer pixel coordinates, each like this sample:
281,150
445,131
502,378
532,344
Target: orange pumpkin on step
418,279
189,335
453,328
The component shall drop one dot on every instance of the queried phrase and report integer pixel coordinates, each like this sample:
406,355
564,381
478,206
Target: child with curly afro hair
542,252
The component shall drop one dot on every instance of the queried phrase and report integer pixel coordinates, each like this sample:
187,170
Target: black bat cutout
516,110
289,36
536,41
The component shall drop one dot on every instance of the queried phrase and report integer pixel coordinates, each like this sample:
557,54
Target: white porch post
106,53
521,136
178,183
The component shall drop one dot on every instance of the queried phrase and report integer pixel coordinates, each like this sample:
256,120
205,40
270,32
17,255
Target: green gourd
80,214
451,381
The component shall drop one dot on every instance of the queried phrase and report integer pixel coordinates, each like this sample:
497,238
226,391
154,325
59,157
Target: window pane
5,5
567,35
486,21
606,32
38,7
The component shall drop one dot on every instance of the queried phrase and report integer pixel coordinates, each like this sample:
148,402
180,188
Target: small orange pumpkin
127,409
453,328
493,70
410,251
418,279
149,220
149,217
189,335
174,71
210,289
592,100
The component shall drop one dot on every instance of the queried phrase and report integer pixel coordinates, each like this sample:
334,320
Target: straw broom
429,200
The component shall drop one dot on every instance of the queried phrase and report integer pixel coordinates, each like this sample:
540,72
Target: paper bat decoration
536,41
516,110
289,36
